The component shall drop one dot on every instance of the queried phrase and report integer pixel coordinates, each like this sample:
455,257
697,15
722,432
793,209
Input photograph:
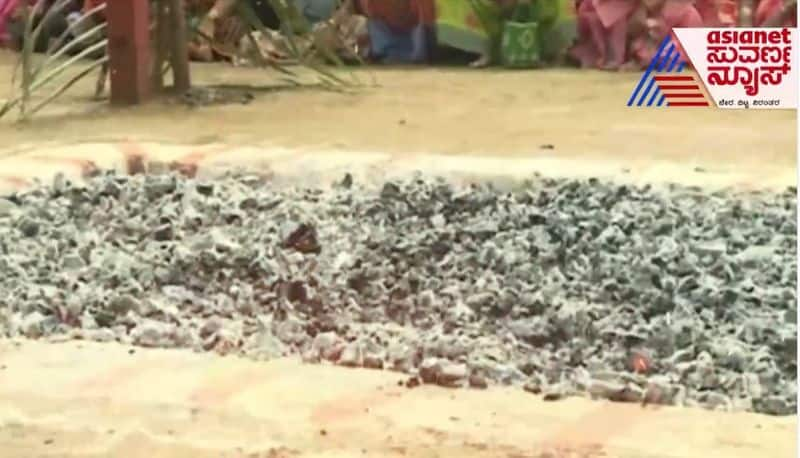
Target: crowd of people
603,34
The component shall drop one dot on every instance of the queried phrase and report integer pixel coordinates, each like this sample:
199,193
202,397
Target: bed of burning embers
664,294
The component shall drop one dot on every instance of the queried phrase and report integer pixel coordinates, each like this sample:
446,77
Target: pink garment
602,32
717,13
673,13
728,11
7,8
708,12
766,9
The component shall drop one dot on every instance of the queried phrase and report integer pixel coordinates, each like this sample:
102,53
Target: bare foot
201,52
481,62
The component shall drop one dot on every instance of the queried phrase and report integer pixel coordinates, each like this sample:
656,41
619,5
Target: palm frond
53,66
29,77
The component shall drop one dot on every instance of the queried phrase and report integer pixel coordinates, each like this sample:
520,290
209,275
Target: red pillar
129,50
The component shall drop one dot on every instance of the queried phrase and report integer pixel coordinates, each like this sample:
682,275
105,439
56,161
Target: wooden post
162,44
180,47
129,50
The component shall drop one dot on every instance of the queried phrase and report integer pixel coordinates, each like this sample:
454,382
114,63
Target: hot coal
667,295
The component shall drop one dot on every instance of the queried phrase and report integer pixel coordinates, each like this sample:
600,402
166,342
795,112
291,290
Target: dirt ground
79,399
558,115
91,400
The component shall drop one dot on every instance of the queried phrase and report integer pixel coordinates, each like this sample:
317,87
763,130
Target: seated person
8,11
221,23
660,17
400,31
603,32
55,26
776,13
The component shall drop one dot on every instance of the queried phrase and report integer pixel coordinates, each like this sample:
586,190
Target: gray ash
554,287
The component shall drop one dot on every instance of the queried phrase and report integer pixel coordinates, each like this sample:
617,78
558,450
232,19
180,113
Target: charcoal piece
303,239
452,375
352,355
429,370
29,227
478,381
7,208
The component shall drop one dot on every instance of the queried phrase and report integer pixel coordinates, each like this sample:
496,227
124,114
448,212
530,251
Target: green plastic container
521,46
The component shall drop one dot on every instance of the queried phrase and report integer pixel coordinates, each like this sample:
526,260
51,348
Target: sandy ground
556,118
82,400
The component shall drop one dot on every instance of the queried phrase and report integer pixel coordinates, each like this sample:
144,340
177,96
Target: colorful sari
558,36
473,26
400,31
603,32
7,9
770,13
476,26
718,13
673,13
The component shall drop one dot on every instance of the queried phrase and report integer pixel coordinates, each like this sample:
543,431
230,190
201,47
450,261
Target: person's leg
616,45
266,14
389,46
52,28
79,29
316,10
466,25
16,33
590,50
490,16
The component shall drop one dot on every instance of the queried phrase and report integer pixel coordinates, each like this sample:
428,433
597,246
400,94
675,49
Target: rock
401,357
634,393
72,261
742,404
505,373
554,393
99,335
777,405
33,325
124,304
303,239
28,227
352,355
150,333
211,327
265,345
717,401
459,313
292,332
452,375
478,381
373,361
535,385
429,370
711,248
754,255
605,390
752,385
327,346
7,208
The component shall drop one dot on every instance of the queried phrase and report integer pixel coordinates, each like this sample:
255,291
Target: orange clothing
91,4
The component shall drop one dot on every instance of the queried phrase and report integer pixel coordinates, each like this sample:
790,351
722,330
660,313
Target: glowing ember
640,363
